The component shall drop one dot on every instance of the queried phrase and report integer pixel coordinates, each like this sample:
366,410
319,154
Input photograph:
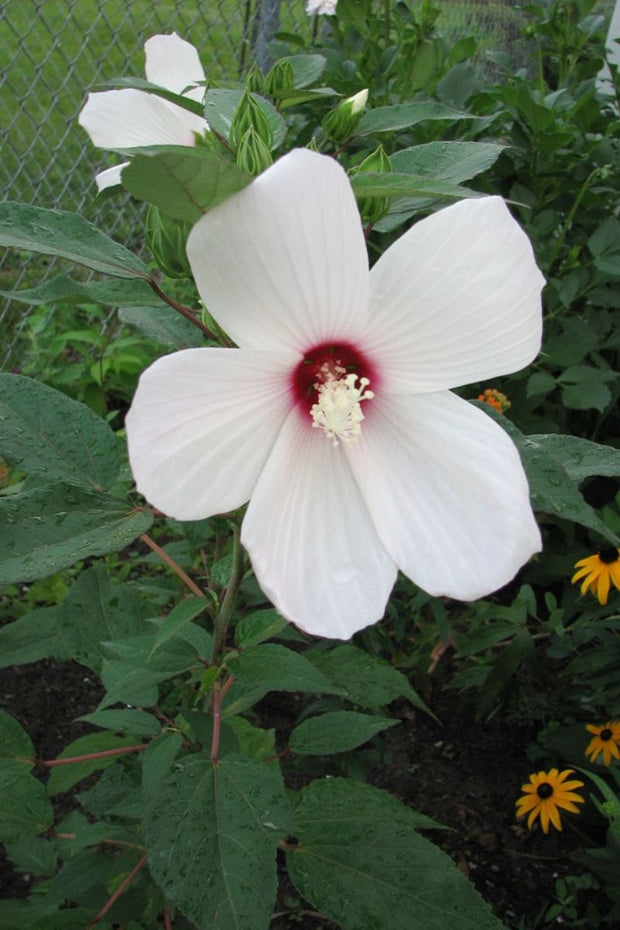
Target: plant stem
571,215
220,626
181,308
50,763
121,888
173,565
167,919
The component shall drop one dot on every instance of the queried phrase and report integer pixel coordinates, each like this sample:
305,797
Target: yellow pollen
338,410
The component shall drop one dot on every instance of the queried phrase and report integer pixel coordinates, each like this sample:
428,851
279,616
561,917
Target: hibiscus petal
283,262
111,177
128,118
456,299
173,63
311,541
201,426
447,493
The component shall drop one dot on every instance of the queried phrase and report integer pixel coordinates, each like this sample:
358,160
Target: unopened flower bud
281,77
166,239
341,122
250,115
252,154
255,80
373,209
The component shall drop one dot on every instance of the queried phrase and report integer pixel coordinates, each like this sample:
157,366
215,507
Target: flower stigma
330,384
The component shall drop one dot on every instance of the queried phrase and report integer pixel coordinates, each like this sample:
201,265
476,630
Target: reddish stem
121,888
278,755
167,919
180,308
173,565
49,763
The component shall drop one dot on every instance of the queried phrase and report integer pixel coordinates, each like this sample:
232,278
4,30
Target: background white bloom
345,489
117,119
321,7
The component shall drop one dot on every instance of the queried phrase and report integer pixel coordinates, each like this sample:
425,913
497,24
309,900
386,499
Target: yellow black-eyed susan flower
598,572
606,740
545,793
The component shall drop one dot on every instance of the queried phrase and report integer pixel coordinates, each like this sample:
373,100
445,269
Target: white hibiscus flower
333,417
119,119
321,7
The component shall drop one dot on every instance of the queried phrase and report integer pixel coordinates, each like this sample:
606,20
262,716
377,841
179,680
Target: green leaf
540,382
580,457
134,722
365,679
16,749
183,182
448,161
34,636
64,289
211,833
384,184
256,627
46,433
25,808
64,777
163,325
585,387
361,862
403,115
337,731
254,742
272,667
178,618
220,106
50,527
68,235
157,760
307,68
33,854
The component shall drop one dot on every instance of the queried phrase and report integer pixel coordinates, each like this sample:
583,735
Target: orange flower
495,399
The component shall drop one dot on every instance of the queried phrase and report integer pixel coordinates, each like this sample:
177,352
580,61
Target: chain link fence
53,51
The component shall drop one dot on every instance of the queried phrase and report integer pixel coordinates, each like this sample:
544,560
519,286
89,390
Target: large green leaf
46,433
52,526
109,293
181,181
450,161
366,680
35,636
68,235
384,184
579,457
25,809
163,325
403,115
337,731
361,862
211,833
276,668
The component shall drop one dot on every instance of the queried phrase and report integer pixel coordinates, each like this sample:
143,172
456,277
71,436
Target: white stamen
338,410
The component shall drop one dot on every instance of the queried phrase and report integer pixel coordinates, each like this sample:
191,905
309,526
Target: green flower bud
341,122
255,80
252,154
281,77
166,239
373,209
250,115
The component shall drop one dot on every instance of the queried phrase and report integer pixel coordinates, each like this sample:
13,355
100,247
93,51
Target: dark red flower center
608,555
606,735
327,361
545,790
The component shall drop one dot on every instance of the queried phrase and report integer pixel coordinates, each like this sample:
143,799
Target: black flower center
608,555
545,790
606,735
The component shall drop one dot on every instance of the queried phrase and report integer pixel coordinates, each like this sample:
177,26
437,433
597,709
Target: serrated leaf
62,288
67,235
64,777
361,862
183,182
366,680
162,325
580,457
272,667
257,627
178,618
403,115
338,731
25,808
384,184
220,106
44,432
50,527
211,833
448,161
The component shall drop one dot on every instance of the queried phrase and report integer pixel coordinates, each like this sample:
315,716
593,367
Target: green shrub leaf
337,731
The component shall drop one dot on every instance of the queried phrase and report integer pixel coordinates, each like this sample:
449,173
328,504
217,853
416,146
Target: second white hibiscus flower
333,417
